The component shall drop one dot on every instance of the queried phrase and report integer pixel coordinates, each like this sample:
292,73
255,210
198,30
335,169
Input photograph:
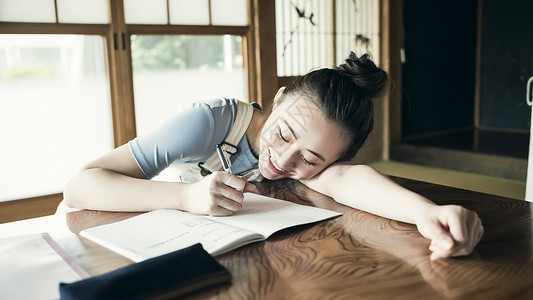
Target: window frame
258,40
22,208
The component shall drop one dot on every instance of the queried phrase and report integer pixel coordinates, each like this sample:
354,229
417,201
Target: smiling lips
273,168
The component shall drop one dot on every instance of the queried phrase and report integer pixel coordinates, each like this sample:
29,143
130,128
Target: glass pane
229,12
27,11
54,110
304,35
145,11
171,72
357,28
83,11
186,12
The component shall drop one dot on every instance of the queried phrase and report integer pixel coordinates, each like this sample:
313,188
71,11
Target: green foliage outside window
165,52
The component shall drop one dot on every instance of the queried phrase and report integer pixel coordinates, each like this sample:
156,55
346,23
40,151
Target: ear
277,98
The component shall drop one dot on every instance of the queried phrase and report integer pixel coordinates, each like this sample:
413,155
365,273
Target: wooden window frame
46,204
259,63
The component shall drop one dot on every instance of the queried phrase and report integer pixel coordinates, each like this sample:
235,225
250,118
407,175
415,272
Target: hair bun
365,74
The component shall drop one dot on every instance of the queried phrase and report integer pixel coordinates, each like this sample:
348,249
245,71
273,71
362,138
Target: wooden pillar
264,32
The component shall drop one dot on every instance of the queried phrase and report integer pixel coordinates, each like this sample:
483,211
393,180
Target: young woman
316,123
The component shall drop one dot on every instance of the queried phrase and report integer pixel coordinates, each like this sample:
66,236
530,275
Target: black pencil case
161,277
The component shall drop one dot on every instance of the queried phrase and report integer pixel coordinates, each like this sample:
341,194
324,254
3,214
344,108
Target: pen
226,163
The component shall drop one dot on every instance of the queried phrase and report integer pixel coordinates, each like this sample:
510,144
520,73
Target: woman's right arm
114,182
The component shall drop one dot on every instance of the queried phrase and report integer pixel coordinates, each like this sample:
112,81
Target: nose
286,159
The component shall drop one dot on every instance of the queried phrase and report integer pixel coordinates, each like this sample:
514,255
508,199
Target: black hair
344,94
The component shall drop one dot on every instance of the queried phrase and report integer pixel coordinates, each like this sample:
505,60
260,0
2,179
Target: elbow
70,193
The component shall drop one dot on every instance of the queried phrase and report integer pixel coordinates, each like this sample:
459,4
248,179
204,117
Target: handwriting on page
186,230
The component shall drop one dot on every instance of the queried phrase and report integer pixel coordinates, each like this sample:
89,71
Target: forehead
302,111
313,130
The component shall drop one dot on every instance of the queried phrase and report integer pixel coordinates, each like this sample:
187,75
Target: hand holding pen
225,191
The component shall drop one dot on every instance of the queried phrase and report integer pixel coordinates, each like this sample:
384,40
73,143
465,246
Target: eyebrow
290,129
317,155
296,137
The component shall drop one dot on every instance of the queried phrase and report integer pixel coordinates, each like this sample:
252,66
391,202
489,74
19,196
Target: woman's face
297,141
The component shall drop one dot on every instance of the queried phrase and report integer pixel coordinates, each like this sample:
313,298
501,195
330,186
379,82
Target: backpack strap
193,172
245,111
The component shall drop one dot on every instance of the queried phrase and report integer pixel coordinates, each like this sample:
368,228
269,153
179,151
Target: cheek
271,138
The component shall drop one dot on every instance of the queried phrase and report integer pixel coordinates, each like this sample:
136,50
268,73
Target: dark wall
507,63
438,76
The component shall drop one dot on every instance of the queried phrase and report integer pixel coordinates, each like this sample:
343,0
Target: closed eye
307,162
281,136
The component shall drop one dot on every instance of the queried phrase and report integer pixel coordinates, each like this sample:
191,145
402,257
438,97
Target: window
186,12
78,78
58,11
55,111
173,70
170,72
321,33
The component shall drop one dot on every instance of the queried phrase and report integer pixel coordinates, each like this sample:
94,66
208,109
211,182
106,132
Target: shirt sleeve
190,136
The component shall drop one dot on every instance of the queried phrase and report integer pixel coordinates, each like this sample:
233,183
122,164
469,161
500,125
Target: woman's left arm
453,230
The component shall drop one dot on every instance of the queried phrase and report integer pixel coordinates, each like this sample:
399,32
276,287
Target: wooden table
355,256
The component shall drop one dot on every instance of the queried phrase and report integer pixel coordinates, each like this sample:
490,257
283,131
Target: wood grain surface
359,255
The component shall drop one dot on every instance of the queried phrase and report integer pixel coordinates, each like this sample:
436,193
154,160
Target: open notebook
163,231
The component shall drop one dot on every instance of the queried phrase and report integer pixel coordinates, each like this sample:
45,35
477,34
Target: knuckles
456,209
220,187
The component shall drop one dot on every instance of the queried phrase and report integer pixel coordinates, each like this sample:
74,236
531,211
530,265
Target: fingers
438,252
473,231
249,187
239,183
456,222
441,242
224,207
452,233
456,233
228,192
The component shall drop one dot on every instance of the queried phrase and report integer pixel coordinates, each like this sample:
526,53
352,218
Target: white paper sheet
33,265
